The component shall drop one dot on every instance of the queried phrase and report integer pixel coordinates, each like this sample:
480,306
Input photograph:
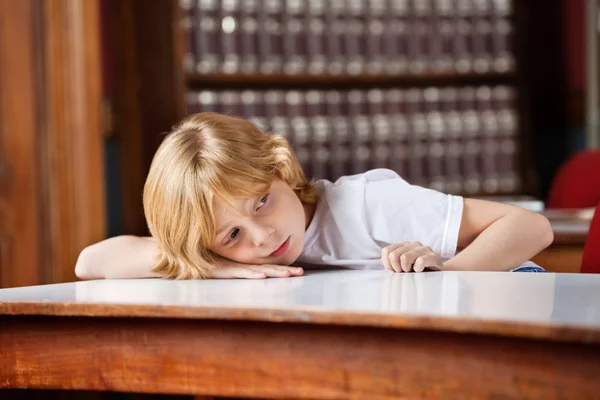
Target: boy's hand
233,270
410,256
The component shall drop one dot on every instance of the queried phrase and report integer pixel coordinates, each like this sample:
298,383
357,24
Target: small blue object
528,268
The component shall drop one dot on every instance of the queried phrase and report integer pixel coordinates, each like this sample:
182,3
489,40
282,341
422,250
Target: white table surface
536,298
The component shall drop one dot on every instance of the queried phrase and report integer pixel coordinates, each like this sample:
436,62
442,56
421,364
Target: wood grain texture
304,81
518,329
73,163
145,63
19,179
287,360
51,180
561,258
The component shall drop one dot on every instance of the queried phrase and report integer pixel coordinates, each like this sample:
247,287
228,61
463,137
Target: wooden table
328,334
570,232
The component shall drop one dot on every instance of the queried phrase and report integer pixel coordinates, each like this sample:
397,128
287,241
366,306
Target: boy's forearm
118,257
505,244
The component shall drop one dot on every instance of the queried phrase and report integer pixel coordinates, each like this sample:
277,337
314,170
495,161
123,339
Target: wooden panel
149,91
51,173
305,81
415,321
19,183
561,258
287,360
73,154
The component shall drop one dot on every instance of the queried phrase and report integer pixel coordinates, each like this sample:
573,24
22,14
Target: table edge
460,325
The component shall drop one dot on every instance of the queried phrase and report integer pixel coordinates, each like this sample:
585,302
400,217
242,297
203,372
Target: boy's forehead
239,201
231,206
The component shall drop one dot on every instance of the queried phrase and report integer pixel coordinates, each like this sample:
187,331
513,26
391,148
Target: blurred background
484,98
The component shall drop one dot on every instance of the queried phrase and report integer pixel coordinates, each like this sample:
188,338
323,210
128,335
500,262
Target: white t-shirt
359,215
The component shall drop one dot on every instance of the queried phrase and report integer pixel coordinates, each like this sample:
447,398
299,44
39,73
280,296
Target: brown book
360,131
354,43
472,152
276,113
420,37
340,151
450,139
380,130
230,103
482,37
254,108
502,32
316,37
248,38
375,28
504,100
230,32
294,38
300,128
208,54
395,110
270,36
507,165
396,36
335,28
202,101
463,39
188,19
434,159
417,137
320,134
443,36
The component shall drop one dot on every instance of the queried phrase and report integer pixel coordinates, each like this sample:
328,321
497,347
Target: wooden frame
19,152
255,359
52,191
73,130
144,61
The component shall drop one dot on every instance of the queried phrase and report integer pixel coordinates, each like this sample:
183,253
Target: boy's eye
234,234
262,201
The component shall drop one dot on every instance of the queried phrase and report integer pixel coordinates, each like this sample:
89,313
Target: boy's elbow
83,267
546,234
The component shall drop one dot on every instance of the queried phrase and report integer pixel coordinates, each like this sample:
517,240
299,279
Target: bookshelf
428,87
457,122
240,81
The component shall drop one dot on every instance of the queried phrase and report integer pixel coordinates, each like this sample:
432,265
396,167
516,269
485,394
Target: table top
538,305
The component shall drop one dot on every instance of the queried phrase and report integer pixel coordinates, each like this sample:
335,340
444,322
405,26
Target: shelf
281,81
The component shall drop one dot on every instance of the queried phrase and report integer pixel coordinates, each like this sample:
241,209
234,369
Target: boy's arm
124,257
118,257
498,237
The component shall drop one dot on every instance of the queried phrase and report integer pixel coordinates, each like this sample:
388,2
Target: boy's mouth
281,249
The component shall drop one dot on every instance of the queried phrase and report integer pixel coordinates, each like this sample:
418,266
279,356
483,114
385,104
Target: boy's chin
292,257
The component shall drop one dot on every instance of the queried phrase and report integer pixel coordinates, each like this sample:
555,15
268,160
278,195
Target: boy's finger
428,261
408,259
236,272
395,252
248,273
272,271
293,270
385,259
395,260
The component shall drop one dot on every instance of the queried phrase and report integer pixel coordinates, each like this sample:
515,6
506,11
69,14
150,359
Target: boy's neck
309,213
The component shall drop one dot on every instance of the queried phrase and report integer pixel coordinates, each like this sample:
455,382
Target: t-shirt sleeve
396,212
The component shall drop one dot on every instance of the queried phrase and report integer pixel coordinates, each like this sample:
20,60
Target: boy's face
271,233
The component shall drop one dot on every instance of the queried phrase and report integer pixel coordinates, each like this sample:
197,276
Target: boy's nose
262,234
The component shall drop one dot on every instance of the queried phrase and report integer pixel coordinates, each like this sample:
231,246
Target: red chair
577,183
591,252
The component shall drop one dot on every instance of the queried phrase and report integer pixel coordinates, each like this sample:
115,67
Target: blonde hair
210,155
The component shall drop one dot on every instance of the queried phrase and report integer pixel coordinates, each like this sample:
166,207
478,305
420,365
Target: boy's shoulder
373,175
